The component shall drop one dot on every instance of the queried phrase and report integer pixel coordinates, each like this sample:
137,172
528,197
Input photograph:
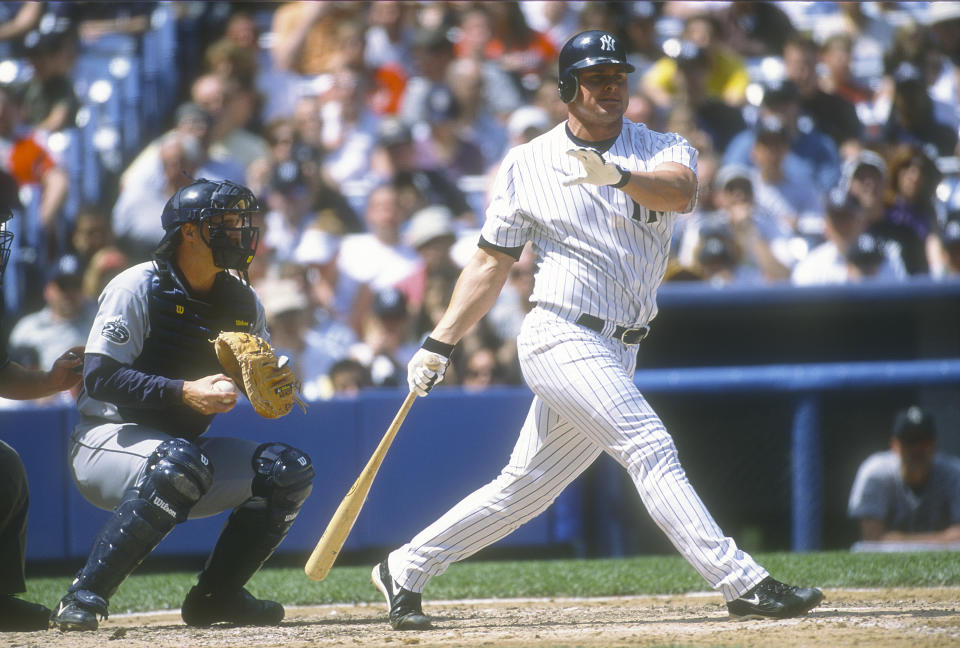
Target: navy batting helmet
584,50
206,201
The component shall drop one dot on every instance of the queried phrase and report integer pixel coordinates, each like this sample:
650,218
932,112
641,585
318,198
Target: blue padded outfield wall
773,396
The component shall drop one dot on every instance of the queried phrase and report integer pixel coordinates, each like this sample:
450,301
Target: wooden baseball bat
330,543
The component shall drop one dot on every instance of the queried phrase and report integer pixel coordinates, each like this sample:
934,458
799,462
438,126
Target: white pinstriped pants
585,402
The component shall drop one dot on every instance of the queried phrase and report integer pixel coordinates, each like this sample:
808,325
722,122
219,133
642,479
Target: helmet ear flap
568,86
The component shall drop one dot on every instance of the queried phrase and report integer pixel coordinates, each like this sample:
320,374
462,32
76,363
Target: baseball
226,386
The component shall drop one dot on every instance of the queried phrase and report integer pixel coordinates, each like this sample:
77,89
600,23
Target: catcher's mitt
269,385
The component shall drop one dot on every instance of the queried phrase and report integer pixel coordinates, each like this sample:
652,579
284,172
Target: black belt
622,333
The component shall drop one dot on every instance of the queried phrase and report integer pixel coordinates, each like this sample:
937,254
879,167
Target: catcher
148,396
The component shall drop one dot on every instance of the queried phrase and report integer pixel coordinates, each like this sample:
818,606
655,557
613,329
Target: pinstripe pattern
598,253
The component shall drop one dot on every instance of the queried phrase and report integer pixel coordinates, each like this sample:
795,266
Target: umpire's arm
476,291
671,187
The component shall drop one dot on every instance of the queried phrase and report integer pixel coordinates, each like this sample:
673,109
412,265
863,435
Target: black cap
866,251
771,129
66,273
777,93
390,303
287,177
914,424
393,132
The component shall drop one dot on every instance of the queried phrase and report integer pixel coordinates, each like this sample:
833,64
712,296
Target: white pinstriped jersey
598,252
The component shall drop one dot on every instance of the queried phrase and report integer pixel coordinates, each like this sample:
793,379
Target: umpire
16,382
147,399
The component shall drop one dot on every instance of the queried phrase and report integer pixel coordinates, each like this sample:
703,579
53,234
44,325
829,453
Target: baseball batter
597,197
149,395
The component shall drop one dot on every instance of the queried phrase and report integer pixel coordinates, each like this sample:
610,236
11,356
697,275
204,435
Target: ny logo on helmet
607,43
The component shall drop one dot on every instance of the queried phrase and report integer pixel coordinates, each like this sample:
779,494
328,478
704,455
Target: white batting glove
596,170
427,366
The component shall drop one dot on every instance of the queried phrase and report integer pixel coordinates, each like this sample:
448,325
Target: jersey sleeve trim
514,252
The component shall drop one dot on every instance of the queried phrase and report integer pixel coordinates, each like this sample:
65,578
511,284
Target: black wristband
436,346
624,179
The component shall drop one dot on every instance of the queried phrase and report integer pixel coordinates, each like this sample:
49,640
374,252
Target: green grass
489,579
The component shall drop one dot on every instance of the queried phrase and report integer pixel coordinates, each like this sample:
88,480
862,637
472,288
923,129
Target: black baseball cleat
17,615
771,599
79,611
404,605
239,608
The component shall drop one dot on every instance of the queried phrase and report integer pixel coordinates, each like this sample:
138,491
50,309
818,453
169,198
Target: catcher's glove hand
268,383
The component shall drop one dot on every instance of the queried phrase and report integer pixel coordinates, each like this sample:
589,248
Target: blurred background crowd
827,132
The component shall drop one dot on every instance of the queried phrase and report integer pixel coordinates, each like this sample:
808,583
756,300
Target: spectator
639,36
479,91
786,198
555,20
234,56
289,316
304,35
231,107
912,118
828,262
754,29
911,192
63,322
105,264
711,114
290,202
30,164
433,54
374,260
909,493
726,78
481,369
522,51
445,148
747,241
872,37
92,231
838,79
49,101
431,233
16,22
865,178
947,254
177,160
831,114
195,124
416,187
386,344
350,128
348,377
813,156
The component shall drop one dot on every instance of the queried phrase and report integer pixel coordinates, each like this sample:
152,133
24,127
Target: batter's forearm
476,291
670,187
20,383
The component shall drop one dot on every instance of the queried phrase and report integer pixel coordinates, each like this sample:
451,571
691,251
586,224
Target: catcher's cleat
237,607
79,611
404,605
771,599
17,615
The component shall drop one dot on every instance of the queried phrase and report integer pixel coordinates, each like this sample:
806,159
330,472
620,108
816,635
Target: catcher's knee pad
284,477
178,474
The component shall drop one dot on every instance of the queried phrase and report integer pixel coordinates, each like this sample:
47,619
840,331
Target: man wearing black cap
908,493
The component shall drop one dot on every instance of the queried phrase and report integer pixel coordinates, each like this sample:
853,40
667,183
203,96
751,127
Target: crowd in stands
827,135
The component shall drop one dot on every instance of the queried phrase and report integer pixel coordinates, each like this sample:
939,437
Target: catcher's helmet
8,202
586,49
204,201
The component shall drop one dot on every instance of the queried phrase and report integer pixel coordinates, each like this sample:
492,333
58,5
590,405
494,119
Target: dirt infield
918,618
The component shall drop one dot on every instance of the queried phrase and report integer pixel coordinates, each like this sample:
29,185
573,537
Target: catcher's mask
233,241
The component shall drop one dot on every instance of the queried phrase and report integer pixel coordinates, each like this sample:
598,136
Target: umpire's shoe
79,611
202,608
404,605
775,600
17,615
